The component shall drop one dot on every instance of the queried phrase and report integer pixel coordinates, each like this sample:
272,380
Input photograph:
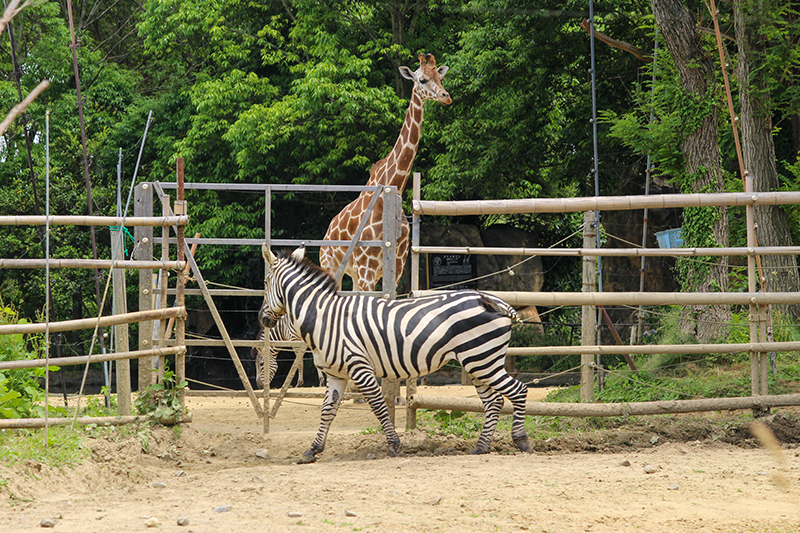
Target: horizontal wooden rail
80,220
519,299
254,293
272,394
259,242
601,203
29,423
649,349
91,263
263,187
97,358
610,252
610,409
88,323
242,343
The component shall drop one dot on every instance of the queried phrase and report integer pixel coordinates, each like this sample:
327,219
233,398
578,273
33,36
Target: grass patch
657,381
62,447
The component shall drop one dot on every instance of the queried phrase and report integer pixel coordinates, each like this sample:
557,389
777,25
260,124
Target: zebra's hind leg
365,380
517,393
333,397
492,403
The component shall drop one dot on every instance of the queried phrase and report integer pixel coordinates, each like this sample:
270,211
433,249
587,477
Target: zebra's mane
320,275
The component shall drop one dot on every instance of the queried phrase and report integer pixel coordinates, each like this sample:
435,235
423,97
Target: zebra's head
274,305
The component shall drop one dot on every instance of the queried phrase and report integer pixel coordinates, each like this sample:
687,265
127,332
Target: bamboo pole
588,312
650,349
265,344
522,299
183,275
89,323
91,263
30,423
293,393
611,252
81,359
73,220
602,203
611,409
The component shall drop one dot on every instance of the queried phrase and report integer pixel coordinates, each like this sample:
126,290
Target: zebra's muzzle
269,319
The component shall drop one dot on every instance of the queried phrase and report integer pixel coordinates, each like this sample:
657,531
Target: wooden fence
589,300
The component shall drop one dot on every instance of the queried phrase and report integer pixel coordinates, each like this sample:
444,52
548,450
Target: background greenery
300,91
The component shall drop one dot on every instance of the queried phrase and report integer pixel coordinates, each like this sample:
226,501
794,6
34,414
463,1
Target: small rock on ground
48,522
184,521
152,522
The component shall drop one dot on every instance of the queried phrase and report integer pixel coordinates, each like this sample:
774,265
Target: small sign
454,271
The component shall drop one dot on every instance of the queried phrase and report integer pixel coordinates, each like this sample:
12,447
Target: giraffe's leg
333,397
364,377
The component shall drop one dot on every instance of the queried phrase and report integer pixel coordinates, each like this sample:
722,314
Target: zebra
282,331
363,337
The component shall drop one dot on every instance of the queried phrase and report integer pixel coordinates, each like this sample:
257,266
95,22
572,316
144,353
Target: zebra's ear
269,257
300,253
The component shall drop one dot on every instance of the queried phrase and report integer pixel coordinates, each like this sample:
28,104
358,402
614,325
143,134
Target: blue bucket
670,238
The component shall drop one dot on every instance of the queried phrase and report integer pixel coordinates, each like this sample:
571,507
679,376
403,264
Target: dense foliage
299,91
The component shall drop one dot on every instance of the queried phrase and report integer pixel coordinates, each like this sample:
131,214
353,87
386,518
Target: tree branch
616,44
20,107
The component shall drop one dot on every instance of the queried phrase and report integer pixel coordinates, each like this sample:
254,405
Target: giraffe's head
428,79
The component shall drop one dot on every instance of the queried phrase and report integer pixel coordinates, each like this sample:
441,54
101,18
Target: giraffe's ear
407,73
269,257
300,253
442,71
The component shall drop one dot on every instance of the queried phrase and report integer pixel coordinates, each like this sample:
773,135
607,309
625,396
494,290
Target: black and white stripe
282,331
362,338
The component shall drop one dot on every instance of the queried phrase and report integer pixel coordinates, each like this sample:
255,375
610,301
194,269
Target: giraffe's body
365,266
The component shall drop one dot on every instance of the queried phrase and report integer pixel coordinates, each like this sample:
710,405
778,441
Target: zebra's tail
499,307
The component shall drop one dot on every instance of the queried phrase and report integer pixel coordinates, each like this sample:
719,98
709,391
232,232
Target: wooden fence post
121,330
392,211
143,207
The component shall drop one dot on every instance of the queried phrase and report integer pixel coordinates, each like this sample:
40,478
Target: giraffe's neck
395,168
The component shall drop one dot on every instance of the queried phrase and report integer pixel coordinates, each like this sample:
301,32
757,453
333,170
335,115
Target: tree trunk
701,155
758,147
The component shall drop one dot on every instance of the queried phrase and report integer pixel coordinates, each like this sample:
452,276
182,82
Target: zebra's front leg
333,397
364,378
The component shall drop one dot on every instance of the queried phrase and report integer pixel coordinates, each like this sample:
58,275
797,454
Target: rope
125,231
551,376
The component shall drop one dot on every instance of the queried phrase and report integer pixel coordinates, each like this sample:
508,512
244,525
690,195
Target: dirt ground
221,473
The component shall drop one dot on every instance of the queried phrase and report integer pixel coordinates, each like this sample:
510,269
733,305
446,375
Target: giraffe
365,266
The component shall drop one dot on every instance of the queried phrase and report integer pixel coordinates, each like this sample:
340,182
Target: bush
21,395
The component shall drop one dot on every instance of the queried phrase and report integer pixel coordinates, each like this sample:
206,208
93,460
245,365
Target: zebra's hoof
479,450
307,457
524,445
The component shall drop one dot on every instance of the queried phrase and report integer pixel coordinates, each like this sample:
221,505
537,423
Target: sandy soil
678,474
